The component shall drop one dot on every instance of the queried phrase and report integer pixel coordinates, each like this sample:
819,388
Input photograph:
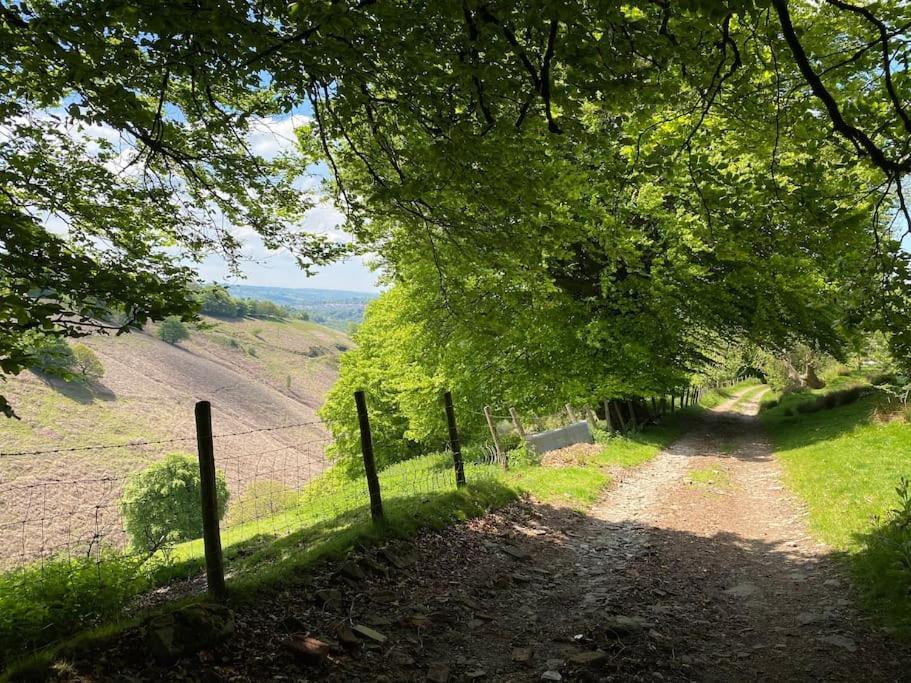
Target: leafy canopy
641,178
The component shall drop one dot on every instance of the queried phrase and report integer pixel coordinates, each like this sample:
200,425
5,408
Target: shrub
161,504
43,602
86,363
262,499
172,330
53,356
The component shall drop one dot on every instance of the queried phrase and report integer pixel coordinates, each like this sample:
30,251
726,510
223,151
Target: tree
161,504
54,357
217,302
86,363
519,104
172,330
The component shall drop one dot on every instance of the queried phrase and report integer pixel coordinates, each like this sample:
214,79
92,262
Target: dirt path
696,566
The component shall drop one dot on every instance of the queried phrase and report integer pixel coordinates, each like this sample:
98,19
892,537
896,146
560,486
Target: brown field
265,381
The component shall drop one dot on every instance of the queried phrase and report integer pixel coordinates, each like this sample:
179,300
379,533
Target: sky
278,268
259,265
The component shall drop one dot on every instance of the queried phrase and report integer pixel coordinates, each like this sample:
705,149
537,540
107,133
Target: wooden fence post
373,481
610,422
572,415
590,415
501,456
454,444
211,534
517,423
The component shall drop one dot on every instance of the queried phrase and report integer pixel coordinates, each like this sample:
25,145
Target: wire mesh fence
65,511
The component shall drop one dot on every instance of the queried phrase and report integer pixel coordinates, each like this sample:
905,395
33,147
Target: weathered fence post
373,481
211,534
454,444
572,415
517,423
590,414
610,422
501,456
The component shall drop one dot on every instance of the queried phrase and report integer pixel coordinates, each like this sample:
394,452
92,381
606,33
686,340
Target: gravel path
696,566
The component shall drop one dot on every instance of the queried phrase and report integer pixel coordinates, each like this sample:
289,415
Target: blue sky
278,268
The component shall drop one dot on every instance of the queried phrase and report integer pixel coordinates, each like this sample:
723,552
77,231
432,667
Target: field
265,380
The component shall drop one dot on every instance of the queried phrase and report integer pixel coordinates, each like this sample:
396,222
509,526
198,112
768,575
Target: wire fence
65,512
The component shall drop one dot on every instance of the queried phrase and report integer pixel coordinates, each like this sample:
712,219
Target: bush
53,356
86,363
833,399
172,330
45,601
262,499
161,504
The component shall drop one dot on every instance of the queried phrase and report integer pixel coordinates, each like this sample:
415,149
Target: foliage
161,504
172,330
662,177
86,364
53,356
42,603
216,301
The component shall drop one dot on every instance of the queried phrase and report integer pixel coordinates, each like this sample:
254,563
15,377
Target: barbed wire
159,442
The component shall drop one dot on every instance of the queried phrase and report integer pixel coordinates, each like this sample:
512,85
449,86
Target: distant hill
333,307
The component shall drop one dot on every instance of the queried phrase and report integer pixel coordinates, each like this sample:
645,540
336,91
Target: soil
695,566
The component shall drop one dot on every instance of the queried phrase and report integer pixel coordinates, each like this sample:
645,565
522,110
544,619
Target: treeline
217,302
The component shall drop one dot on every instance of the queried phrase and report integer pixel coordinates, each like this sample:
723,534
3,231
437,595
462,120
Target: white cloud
269,137
272,136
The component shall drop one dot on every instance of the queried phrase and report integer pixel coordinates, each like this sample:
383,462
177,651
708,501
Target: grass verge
845,462
326,520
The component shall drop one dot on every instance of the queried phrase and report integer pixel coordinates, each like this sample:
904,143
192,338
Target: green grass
709,477
323,521
749,395
715,397
845,466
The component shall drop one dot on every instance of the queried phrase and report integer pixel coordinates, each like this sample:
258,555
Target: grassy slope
715,397
845,466
417,494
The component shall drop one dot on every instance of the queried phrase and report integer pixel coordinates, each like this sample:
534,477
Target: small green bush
53,356
172,330
161,504
262,499
43,602
86,363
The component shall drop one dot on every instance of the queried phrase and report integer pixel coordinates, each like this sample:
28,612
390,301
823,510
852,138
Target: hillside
257,374
333,307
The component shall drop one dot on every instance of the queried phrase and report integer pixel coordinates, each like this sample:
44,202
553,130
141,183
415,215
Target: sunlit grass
713,398
325,519
845,465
